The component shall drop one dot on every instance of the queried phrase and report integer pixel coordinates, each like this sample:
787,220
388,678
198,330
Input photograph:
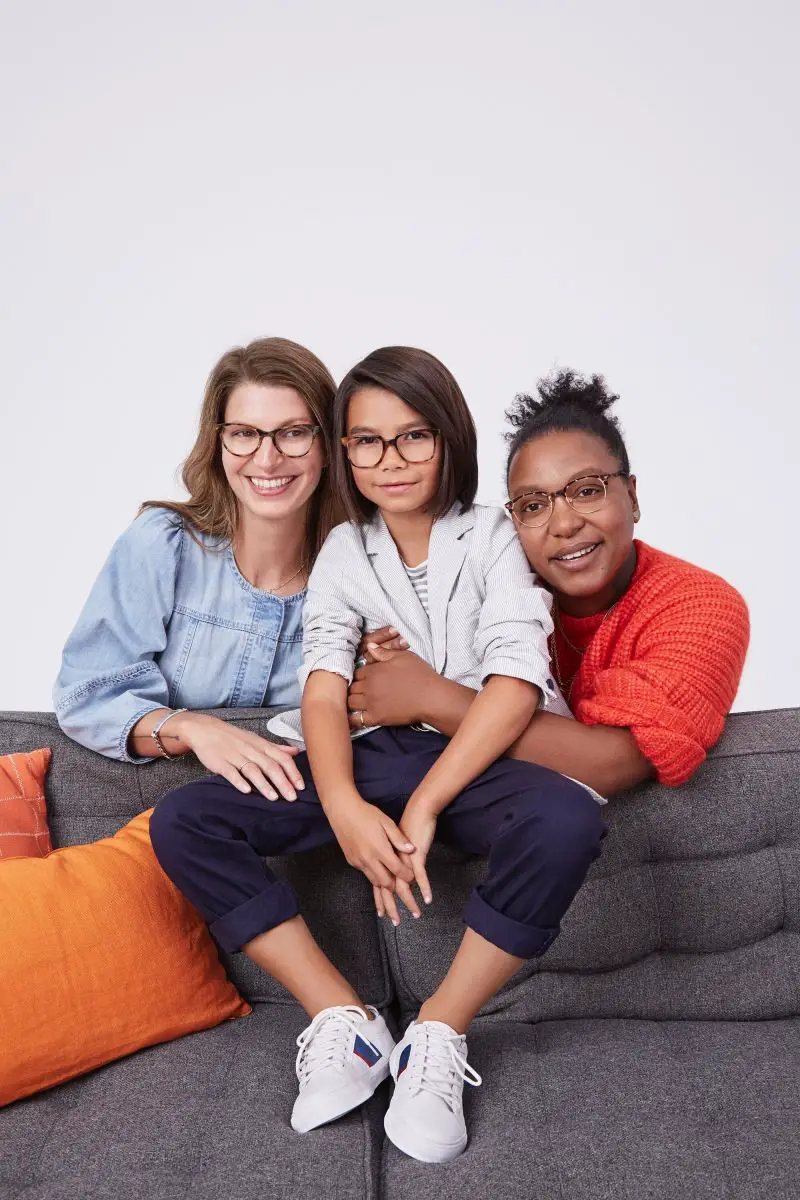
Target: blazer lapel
410,617
446,554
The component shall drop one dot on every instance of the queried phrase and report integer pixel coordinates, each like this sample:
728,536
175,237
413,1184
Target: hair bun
569,387
561,390
566,400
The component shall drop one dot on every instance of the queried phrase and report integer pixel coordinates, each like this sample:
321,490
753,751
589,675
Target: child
452,578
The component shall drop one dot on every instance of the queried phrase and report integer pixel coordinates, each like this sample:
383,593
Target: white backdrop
512,185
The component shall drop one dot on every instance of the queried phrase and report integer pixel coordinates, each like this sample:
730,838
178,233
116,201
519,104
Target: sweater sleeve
681,681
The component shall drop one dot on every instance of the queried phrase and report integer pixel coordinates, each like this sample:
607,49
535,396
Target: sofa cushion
101,955
206,1117
23,810
692,910
90,797
612,1109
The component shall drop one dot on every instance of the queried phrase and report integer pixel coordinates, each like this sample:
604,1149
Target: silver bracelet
156,730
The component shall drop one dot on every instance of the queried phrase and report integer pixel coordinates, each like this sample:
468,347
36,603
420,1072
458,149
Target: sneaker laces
436,1062
326,1041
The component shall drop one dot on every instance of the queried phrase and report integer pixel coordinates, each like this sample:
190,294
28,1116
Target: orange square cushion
23,814
100,955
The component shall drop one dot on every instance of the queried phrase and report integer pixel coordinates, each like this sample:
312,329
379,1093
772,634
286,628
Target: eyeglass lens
292,441
585,495
415,446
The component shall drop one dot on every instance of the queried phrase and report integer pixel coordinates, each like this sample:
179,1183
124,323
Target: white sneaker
425,1117
343,1058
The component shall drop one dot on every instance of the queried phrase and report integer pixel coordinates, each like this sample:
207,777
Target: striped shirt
419,582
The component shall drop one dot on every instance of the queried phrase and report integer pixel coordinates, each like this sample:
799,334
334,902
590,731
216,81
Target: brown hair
426,385
212,507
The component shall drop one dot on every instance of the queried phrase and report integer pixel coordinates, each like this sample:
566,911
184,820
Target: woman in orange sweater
647,649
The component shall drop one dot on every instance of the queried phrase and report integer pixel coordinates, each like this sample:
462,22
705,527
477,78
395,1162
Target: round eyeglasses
413,446
586,494
293,441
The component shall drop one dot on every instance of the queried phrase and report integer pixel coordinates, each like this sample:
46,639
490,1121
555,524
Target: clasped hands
387,692
391,856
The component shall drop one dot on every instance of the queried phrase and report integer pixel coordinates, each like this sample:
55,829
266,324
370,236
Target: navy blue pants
540,831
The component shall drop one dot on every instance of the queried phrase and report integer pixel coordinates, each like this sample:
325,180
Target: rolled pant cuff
523,941
260,913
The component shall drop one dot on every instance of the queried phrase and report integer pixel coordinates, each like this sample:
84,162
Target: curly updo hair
564,401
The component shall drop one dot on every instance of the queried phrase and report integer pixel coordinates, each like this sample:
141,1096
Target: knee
171,821
565,826
574,827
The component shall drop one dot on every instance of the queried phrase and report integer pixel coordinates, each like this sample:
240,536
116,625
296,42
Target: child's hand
418,823
373,843
387,638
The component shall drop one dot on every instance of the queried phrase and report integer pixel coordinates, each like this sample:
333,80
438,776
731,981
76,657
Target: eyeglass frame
553,496
387,442
267,433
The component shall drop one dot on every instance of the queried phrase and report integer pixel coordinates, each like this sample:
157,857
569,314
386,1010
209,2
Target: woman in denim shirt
200,603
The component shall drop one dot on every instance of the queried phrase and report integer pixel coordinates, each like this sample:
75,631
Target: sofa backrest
692,911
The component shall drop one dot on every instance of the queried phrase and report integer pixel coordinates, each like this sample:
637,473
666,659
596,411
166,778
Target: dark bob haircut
566,400
426,385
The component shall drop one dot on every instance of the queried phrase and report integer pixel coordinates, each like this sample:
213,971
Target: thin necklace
566,686
284,582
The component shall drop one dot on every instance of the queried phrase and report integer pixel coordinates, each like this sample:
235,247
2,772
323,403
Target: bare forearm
327,738
446,704
605,757
496,717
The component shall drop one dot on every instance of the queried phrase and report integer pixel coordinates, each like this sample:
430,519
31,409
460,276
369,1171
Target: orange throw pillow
100,955
23,814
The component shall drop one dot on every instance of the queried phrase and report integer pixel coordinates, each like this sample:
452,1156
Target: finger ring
361,661
361,717
248,762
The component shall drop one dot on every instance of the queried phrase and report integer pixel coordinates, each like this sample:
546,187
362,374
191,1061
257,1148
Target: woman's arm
607,759
110,692
655,715
108,679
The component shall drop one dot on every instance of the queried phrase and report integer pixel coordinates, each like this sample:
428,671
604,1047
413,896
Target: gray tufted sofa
653,1053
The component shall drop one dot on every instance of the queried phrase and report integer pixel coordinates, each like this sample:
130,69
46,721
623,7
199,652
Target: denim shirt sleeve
109,678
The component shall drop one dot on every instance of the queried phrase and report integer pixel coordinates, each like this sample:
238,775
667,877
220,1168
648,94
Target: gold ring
361,715
248,762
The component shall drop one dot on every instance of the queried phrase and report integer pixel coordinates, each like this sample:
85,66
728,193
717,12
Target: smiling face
269,485
395,486
586,558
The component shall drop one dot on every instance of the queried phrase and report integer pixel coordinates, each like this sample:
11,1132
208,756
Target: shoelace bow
436,1061
326,1041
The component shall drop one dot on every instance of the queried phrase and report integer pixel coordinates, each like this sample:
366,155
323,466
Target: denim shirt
170,623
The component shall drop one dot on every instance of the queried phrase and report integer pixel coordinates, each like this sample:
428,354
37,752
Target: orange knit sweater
665,663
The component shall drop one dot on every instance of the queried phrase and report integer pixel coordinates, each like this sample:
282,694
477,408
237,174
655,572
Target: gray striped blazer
487,614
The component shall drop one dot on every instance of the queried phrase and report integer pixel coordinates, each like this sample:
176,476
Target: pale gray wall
511,185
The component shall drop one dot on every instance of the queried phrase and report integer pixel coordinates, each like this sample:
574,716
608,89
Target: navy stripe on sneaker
404,1057
366,1051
